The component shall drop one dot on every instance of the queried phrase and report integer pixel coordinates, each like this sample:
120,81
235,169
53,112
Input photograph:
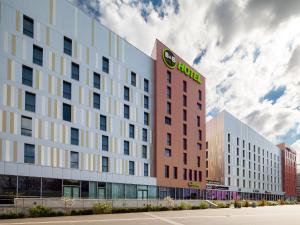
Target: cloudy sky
249,51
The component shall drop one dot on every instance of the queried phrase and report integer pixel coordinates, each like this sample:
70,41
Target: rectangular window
67,90
199,145
74,160
74,136
75,71
228,137
28,27
198,121
144,151
131,168
184,115
131,130
185,174
145,135
67,112
96,101
184,129
105,64
146,85
126,111
146,118
37,56
195,175
97,80
184,143
29,101
199,95
169,139
200,176
200,135
169,77
175,174
146,169
169,109
67,46
199,106
146,102
126,147
103,122
237,141
184,158
198,161
166,171
168,152
184,100
168,120
104,143
29,153
27,76
126,93
190,175
169,92
105,164
26,126
184,86
133,78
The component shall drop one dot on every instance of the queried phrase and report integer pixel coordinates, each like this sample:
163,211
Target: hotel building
242,164
83,113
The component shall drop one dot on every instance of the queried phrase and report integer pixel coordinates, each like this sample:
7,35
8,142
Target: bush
246,204
184,206
237,204
281,202
204,205
102,208
262,203
11,215
40,211
253,204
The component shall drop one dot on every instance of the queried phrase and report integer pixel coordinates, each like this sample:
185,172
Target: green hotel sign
170,61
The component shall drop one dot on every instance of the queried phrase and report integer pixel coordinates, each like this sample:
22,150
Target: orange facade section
179,136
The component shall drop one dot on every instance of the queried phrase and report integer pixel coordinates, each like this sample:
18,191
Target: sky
248,50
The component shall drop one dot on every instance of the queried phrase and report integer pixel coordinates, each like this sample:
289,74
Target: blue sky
248,50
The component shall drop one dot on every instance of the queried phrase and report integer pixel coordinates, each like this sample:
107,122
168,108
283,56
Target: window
198,161
105,164
169,77
169,94
184,100
145,135
175,176
169,139
144,151
74,160
146,118
96,101
133,78
198,121
67,90
184,143
184,115
190,175
184,129
68,46
28,26
75,71
199,106
185,174
103,122
74,136
66,112
238,142
200,135
131,167
97,80
29,153
126,111
184,86
146,102
166,171
131,130
199,95
168,120
228,137
29,101
105,64
37,55
104,143
200,176
146,85
195,175
126,93
146,170
199,145
184,158
168,152
27,76
126,147
26,126
169,110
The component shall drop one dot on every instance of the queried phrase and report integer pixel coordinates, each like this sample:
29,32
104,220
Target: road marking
165,219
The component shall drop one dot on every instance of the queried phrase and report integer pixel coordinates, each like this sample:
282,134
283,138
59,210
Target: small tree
170,202
68,203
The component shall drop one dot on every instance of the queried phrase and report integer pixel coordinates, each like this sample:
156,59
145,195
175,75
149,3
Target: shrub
170,202
204,205
102,208
246,204
40,211
184,206
237,204
253,204
11,215
262,203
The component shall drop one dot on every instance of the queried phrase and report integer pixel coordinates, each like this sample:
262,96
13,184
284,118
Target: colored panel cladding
179,121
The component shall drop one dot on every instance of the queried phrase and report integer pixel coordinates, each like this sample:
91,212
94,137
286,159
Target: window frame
67,44
30,101
67,94
26,131
27,75
37,52
28,24
29,158
75,71
74,164
74,140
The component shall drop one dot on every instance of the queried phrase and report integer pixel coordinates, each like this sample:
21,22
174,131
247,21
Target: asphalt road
276,215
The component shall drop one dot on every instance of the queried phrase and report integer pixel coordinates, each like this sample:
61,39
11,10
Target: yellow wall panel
1,150
10,69
15,152
13,44
18,16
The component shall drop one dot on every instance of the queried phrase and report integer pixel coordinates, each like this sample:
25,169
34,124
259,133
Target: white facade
247,162
51,134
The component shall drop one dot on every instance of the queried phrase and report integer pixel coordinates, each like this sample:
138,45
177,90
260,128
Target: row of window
187,174
259,186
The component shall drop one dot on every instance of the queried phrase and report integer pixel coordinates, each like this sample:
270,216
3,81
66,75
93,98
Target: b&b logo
169,58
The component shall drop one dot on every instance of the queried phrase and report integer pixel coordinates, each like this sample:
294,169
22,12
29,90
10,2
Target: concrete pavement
276,215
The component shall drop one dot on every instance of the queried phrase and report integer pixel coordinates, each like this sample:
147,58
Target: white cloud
270,26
